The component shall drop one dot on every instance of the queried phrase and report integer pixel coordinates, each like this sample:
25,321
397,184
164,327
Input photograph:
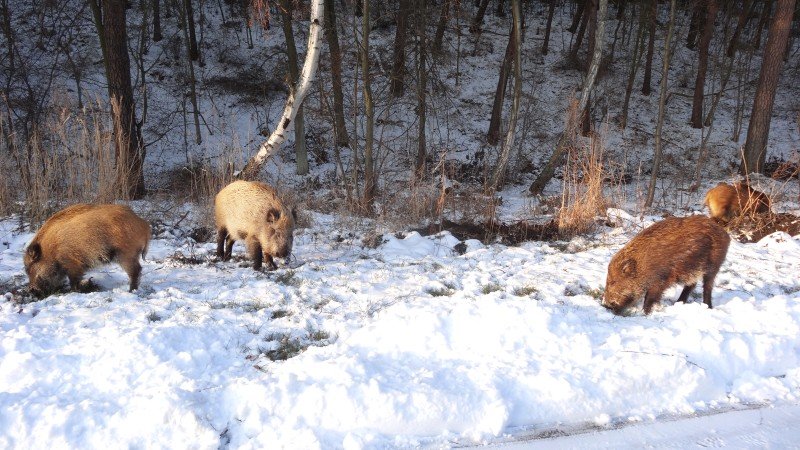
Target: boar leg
685,292
254,249
222,235
270,262
134,270
708,285
228,248
652,297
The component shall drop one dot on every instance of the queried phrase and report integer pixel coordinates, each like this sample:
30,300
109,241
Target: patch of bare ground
753,227
494,231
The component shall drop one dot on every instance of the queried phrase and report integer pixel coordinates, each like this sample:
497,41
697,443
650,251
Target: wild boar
672,251
252,212
725,202
81,237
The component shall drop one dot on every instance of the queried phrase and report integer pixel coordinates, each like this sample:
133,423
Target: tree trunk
444,16
576,19
547,172
702,64
576,45
301,155
695,24
766,8
651,44
192,81
157,36
475,26
129,150
550,11
744,15
493,135
194,53
422,76
755,147
397,85
340,130
638,50
369,114
591,6
295,98
516,39
662,100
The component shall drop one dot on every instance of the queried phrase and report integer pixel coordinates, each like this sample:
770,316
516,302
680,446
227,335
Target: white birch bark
294,100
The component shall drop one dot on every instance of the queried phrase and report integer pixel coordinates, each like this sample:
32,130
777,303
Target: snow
408,344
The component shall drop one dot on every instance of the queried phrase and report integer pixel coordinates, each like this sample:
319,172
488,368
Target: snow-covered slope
408,344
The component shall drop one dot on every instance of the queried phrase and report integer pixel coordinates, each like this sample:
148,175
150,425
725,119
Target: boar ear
629,267
273,215
294,213
34,251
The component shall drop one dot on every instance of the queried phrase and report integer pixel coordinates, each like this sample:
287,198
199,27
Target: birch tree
294,99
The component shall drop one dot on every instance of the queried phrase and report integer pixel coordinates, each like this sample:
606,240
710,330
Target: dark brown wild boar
252,212
677,250
80,237
725,202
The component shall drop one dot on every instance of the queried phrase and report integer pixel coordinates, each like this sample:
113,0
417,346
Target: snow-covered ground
409,344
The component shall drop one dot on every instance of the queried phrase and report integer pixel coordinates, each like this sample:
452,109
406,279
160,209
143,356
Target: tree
662,101
588,84
157,36
516,38
702,63
755,147
651,43
301,154
369,107
340,131
110,23
294,99
422,76
397,86
550,12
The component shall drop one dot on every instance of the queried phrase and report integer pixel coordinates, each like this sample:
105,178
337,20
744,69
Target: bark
576,19
493,135
301,154
651,43
702,63
547,172
397,85
194,53
662,100
591,15
516,38
340,130
157,36
295,98
755,147
369,114
192,81
475,26
444,16
747,8
579,37
766,9
422,76
695,24
550,11
129,150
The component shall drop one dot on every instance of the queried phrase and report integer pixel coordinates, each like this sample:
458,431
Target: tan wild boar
725,202
81,237
252,212
677,250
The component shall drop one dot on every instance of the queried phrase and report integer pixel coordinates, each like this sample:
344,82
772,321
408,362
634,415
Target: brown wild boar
80,237
725,202
252,212
677,250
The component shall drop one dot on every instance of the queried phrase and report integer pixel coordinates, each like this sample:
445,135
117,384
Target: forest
451,182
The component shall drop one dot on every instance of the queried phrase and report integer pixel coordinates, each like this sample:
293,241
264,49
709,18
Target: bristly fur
252,212
673,251
81,237
725,202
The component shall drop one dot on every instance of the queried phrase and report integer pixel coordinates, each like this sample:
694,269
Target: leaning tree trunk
128,144
755,147
547,172
422,76
340,130
702,63
493,135
301,154
295,98
444,16
550,12
744,15
505,153
662,100
477,21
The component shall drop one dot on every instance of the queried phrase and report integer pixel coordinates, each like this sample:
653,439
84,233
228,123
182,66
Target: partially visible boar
672,251
252,212
726,202
80,237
